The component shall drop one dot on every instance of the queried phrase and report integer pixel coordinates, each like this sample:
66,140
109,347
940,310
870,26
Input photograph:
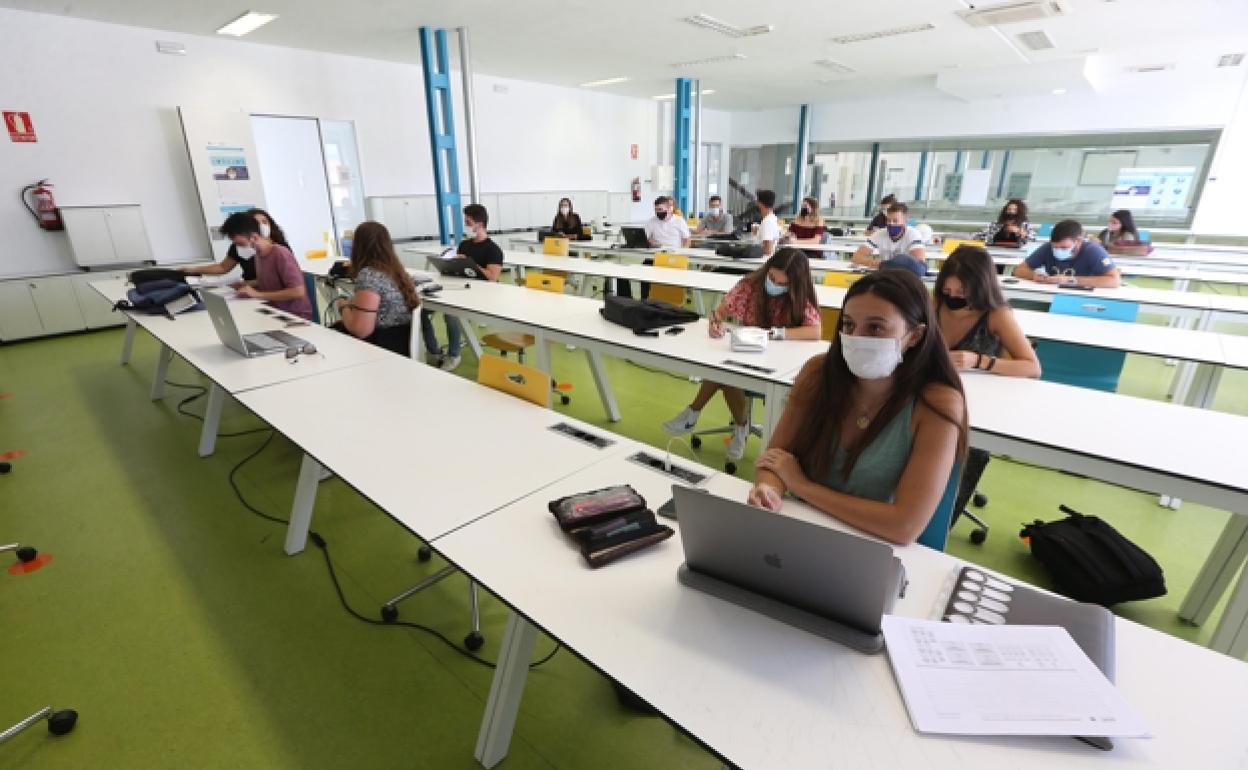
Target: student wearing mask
279,280
1121,228
898,245
780,296
1011,227
977,323
665,230
874,427
1070,258
380,310
478,247
880,220
233,258
808,226
769,227
567,222
717,221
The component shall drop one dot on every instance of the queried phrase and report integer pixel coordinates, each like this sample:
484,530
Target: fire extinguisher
636,186
44,209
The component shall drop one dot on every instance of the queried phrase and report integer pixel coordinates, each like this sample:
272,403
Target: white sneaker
450,363
736,447
682,423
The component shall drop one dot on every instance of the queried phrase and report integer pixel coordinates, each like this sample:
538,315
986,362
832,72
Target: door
342,169
296,187
709,173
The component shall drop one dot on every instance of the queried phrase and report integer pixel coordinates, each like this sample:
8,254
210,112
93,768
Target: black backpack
642,315
740,250
1092,562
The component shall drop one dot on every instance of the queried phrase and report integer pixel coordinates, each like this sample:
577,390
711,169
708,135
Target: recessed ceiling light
835,66
706,21
1059,91
709,60
664,97
1230,60
603,82
895,31
1147,68
248,22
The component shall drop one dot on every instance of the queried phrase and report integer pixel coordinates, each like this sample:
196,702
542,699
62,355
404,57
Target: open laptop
635,237
822,580
457,267
251,345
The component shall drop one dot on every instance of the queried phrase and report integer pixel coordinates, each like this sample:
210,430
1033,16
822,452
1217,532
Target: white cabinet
97,312
106,235
18,317
394,216
32,307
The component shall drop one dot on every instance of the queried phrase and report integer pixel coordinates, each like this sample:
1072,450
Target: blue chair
1044,230
937,532
1145,234
1081,365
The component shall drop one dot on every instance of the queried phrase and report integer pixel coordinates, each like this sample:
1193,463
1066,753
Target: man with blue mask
1069,258
896,245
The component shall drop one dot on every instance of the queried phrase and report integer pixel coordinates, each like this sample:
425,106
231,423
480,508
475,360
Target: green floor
171,621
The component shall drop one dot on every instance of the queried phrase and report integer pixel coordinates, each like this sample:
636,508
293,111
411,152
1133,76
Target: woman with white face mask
873,428
567,222
243,258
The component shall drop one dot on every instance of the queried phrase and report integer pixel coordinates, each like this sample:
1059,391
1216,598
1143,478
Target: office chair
519,342
1080,365
936,534
673,295
756,429
976,462
59,722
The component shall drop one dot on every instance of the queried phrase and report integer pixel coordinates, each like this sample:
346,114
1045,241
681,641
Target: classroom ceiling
568,42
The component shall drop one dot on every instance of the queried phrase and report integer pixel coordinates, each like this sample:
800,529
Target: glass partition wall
942,180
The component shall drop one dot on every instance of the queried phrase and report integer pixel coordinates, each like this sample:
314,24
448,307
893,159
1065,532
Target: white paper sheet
1003,680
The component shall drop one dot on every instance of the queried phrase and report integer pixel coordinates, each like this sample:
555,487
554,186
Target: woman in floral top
780,296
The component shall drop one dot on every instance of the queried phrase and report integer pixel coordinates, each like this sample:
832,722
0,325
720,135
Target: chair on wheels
1080,365
59,722
519,342
936,534
976,462
756,429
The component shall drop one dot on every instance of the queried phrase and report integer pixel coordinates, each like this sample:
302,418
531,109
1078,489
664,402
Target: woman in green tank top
873,427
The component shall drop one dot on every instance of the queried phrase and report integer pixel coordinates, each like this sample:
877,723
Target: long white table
761,694
192,336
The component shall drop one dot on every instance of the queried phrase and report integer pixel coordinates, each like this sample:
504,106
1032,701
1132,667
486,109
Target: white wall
102,101
1221,210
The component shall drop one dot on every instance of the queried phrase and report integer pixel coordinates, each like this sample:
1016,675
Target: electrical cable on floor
181,409
323,545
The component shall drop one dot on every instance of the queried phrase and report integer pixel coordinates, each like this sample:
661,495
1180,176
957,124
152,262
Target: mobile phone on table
647,333
675,330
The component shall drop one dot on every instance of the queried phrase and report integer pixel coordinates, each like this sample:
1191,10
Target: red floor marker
12,454
27,567
3,396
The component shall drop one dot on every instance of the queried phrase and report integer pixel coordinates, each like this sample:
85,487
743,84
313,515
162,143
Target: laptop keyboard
286,339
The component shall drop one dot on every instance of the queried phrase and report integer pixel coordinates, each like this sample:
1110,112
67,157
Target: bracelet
992,361
979,359
777,333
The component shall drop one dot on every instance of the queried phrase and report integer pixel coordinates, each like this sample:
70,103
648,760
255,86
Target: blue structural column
985,158
918,186
868,207
803,149
441,115
957,162
1005,165
681,157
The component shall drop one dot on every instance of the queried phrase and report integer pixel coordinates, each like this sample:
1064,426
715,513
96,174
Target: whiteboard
974,190
1100,169
222,153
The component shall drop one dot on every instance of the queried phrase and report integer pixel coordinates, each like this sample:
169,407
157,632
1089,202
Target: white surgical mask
564,210
265,230
244,252
715,211
871,358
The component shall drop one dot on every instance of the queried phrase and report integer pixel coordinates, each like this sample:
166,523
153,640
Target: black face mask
661,214
805,211
956,303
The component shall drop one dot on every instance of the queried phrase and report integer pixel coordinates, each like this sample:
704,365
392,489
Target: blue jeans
454,333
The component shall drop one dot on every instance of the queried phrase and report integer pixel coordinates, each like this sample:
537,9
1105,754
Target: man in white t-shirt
769,228
897,245
664,230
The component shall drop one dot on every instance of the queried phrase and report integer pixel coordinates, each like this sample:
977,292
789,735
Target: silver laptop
251,345
822,580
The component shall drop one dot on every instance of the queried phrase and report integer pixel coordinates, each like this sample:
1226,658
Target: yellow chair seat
515,379
509,342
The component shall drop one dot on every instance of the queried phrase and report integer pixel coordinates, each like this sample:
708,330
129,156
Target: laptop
635,237
457,267
251,345
822,580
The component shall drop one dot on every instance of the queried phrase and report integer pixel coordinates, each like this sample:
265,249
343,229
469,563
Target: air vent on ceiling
893,32
709,60
1036,40
706,21
835,66
1013,13
1230,60
1144,69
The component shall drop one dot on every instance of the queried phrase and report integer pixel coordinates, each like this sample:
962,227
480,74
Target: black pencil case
619,536
586,509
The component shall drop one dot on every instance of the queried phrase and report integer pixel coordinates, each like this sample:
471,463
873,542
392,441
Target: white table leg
586,286
470,336
212,420
698,303
1231,635
1204,386
127,345
162,370
1229,553
305,501
777,396
603,384
506,690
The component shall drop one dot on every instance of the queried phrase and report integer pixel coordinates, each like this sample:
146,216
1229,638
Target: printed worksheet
1003,680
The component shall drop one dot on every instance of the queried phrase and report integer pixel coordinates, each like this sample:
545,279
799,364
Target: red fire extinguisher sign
19,126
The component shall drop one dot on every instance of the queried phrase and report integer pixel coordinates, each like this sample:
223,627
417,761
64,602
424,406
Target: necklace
865,416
